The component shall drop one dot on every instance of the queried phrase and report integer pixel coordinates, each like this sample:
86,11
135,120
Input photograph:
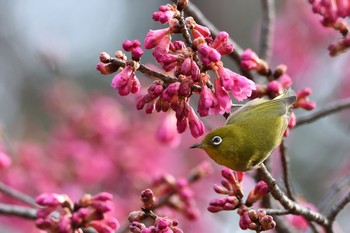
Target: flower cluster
334,14
256,220
59,215
160,224
181,195
231,187
189,64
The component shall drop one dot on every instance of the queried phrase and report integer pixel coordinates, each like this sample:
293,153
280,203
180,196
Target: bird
251,133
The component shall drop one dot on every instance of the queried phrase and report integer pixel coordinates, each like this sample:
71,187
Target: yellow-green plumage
251,133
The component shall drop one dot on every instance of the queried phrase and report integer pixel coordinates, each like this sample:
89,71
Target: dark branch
17,195
267,29
144,69
286,171
327,110
333,191
19,211
288,204
276,212
337,208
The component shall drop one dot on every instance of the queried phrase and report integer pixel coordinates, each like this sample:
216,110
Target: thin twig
286,171
184,30
337,208
276,212
334,107
267,28
19,211
333,191
17,195
288,204
144,69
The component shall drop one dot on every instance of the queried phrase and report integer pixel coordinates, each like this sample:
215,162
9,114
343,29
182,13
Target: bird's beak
197,145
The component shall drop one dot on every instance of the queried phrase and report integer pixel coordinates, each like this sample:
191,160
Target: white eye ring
216,140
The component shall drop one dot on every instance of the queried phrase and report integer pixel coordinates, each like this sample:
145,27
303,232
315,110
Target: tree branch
333,191
267,29
334,107
285,168
288,204
19,211
17,195
337,208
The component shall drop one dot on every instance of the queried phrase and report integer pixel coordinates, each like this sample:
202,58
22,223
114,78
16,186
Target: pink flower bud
173,88
126,82
206,100
50,199
249,60
196,125
162,48
105,57
197,30
225,77
181,124
220,40
195,71
164,14
103,196
224,101
136,53
167,132
285,81
137,216
178,45
267,223
260,190
153,37
244,221
226,203
274,87
208,54
186,66
147,198
303,101
5,160
106,68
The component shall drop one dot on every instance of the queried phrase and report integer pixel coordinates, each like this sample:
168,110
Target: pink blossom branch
287,203
267,28
152,73
200,18
335,107
144,69
17,195
19,211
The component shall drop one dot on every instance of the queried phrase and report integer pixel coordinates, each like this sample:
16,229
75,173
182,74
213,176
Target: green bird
251,133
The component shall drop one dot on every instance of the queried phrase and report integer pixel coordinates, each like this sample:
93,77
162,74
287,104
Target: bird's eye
216,140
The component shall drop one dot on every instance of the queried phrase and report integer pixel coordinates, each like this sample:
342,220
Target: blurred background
45,44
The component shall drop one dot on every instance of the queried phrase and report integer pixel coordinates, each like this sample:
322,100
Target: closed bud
147,198
181,4
136,216
105,57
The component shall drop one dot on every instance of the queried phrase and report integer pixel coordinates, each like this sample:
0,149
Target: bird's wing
281,105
